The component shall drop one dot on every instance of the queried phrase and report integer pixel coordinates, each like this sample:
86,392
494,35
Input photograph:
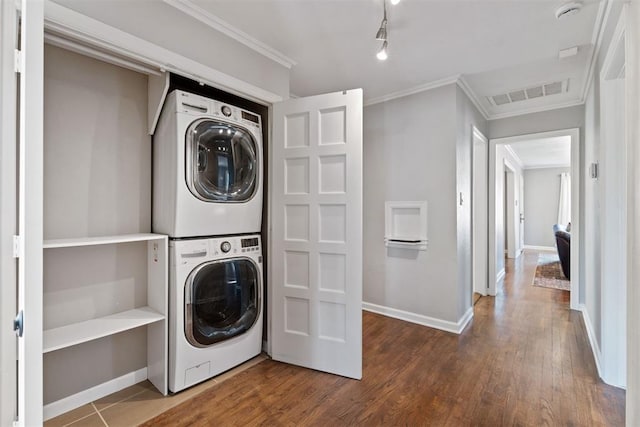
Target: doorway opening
525,200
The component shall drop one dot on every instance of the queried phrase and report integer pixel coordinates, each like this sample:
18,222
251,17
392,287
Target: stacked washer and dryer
207,197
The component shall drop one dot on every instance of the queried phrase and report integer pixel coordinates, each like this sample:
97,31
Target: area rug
549,273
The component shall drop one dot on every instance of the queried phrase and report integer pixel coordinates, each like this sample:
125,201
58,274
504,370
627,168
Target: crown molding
515,157
596,40
413,90
462,84
548,166
189,8
537,109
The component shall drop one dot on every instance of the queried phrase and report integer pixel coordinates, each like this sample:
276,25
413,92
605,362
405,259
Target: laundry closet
102,275
97,184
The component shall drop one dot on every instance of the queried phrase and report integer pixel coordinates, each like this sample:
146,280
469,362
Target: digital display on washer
247,243
250,117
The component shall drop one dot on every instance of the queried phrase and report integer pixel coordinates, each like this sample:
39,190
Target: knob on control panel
226,110
225,247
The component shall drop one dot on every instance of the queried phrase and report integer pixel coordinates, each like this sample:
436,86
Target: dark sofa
563,244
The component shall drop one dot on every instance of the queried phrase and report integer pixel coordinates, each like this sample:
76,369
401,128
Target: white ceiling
498,46
543,152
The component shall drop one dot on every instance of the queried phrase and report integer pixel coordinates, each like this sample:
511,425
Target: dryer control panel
196,105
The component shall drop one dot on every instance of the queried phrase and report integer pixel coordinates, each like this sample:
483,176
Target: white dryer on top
207,168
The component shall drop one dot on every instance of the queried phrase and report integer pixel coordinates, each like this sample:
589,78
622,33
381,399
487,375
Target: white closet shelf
78,333
101,240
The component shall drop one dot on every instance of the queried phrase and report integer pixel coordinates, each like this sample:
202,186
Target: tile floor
137,404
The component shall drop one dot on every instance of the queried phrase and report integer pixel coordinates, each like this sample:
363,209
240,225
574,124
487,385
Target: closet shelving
153,315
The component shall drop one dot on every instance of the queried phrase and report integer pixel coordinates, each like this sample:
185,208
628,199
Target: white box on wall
406,225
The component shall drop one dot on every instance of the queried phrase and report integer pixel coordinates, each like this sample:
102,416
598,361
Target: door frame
614,201
510,197
8,208
476,135
576,175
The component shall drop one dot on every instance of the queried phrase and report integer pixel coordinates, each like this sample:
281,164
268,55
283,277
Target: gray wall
503,155
419,148
541,198
97,161
544,121
97,181
409,154
467,116
161,24
591,236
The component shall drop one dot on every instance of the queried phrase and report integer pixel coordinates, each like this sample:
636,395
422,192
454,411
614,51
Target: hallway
524,360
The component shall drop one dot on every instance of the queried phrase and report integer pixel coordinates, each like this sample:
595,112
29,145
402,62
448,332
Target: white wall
541,199
592,240
97,170
159,23
633,187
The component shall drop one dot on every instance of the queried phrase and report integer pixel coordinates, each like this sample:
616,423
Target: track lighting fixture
381,34
382,53
382,31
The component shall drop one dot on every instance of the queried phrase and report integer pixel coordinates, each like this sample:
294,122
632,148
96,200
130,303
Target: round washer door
221,300
221,161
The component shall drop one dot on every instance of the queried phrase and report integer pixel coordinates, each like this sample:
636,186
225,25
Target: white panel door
316,238
30,213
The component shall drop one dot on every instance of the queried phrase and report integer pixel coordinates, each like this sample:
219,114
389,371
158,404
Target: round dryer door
221,162
221,300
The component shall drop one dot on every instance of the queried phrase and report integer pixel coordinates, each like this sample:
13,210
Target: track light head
382,31
382,53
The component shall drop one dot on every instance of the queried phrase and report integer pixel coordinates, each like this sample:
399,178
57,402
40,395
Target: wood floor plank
524,360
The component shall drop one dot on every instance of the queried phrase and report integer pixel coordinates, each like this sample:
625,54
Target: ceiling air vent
546,89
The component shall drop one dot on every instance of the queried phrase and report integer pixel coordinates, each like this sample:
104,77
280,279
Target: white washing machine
207,168
215,306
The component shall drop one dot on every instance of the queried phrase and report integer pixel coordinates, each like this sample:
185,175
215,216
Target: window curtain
564,207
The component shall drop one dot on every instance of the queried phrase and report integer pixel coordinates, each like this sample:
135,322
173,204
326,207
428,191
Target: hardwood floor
524,360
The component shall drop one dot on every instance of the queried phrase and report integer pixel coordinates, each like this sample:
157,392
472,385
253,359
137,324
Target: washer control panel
250,244
196,251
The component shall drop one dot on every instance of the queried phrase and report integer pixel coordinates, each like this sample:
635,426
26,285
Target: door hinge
17,62
18,324
18,247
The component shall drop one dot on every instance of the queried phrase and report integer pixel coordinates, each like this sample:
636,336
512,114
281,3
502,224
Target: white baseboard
597,354
407,316
74,401
500,276
595,348
540,248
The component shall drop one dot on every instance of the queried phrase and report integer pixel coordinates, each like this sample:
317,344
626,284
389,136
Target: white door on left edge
30,213
316,252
